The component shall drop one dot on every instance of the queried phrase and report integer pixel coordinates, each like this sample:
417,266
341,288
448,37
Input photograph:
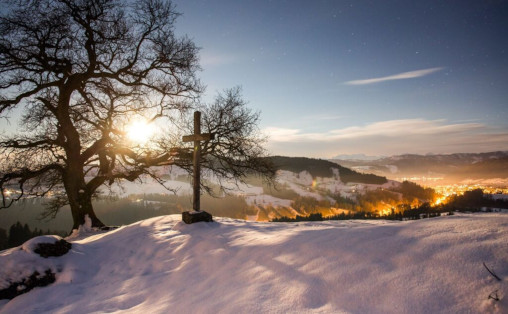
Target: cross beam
197,137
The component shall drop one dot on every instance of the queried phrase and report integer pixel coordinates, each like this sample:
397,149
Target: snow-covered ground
161,265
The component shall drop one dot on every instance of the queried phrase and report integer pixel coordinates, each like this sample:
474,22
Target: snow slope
161,265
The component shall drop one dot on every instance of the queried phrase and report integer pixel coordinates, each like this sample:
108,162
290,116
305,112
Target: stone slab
191,217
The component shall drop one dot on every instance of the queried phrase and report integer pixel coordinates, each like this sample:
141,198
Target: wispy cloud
390,128
400,76
389,137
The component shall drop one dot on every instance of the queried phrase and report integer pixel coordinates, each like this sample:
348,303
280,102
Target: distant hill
452,167
323,168
255,201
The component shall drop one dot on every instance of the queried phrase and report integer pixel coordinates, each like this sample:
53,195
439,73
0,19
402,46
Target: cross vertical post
197,214
196,165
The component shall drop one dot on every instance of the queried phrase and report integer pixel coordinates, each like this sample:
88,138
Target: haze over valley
303,186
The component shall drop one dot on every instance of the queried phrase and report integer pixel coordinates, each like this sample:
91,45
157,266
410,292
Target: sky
360,77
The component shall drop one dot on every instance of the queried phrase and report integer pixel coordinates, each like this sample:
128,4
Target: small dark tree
18,234
80,70
3,239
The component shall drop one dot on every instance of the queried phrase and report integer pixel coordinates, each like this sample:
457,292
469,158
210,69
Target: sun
139,131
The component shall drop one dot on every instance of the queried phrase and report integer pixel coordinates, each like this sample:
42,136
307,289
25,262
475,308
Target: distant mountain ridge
460,166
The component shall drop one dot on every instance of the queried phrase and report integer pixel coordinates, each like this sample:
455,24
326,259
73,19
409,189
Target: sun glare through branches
140,131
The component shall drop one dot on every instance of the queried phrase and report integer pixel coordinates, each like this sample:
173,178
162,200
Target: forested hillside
323,168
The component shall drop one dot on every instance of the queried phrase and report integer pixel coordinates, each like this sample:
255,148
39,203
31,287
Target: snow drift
161,265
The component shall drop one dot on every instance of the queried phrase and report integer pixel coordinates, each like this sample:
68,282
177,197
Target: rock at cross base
196,216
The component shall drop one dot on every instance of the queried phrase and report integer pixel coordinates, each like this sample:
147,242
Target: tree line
471,201
19,234
475,200
420,212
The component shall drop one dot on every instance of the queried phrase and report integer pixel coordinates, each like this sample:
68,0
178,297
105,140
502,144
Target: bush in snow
27,284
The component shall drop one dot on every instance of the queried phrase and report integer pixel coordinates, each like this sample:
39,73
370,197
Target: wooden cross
196,138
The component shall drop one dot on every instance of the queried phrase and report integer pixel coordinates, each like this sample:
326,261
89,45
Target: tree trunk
81,208
80,199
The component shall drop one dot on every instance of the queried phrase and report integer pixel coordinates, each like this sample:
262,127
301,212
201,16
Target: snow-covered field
161,265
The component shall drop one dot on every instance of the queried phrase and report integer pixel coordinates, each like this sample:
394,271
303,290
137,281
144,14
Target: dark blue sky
374,77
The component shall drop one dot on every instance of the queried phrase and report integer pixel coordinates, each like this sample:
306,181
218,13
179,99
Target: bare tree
237,150
79,71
